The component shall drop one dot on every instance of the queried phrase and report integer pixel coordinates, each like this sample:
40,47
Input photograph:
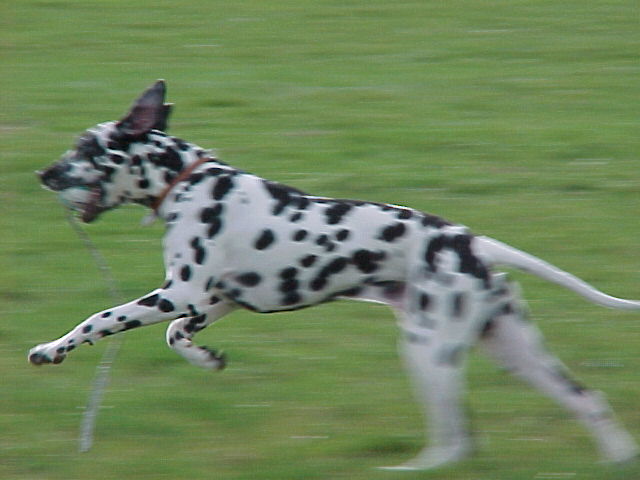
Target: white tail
495,252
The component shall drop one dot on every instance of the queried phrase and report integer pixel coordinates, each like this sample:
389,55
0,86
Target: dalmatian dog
234,240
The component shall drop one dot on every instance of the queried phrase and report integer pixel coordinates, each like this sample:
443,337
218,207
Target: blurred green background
518,118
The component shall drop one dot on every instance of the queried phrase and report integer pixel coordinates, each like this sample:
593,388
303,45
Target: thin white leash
103,370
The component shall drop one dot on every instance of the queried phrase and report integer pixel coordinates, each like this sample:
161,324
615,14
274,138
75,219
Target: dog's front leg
181,331
158,306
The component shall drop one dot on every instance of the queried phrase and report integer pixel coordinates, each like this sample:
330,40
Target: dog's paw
435,457
212,359
41,355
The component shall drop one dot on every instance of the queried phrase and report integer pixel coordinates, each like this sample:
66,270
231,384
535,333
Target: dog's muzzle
54,178
85,199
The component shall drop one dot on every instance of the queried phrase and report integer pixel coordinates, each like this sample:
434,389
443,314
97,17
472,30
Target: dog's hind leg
517,344
181,331
440,324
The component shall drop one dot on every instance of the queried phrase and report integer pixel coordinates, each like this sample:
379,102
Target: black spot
318,283
469,263
122,318
249,279
181,144
351,292
173,160
335,266
132,324
106,314
265,239
149,301
435,246
461,245
308,260
404,214
322,239
342,235
299,235
335,212
210,214
169,177
209,284
392,232
235,293
195,178
89,147
117,159
222,187
282,194
185,273
365,260
143,183
433,221
213,300
289,285
303,203
87,328
425,301
288,272
291,298
166,306
296,217
458,304
214,227
199,253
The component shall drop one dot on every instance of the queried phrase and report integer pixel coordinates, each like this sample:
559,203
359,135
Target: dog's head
107,165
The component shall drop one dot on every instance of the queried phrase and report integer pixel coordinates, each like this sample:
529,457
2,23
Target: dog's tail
495,252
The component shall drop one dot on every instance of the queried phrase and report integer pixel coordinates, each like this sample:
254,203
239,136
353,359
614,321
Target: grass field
518,118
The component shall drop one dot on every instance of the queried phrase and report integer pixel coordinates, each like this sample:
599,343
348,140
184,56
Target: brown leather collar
183,175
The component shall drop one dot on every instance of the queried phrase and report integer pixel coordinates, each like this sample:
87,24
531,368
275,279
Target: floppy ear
149,112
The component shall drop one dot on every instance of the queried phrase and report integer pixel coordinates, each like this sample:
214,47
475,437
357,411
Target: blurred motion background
517,118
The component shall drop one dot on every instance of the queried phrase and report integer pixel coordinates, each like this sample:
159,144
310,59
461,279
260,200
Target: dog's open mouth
92,208
84,200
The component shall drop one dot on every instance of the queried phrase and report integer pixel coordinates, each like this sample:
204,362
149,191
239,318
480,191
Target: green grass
517,118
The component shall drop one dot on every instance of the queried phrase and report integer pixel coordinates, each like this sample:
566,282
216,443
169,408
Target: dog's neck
157,165
182,176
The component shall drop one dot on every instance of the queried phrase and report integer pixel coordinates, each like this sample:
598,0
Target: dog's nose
52,177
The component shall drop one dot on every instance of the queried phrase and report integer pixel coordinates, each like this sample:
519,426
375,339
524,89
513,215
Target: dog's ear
149,112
